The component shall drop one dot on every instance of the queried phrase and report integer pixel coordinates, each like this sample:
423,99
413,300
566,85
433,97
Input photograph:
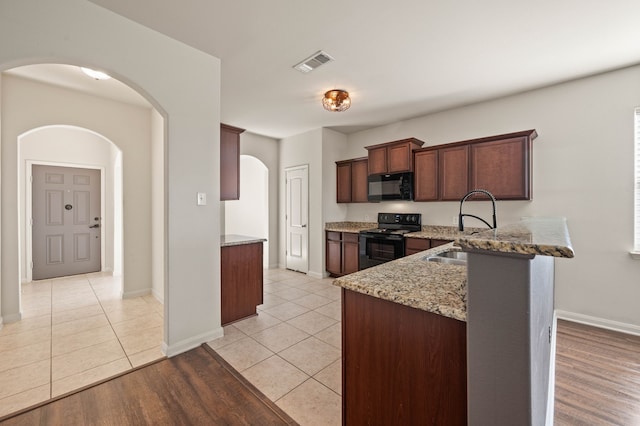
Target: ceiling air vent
313,62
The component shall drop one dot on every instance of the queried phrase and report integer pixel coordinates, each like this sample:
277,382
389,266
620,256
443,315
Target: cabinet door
241,281
399,158
378,160
359,181
349,253
454,172
426,175
229,162
334,257
502,167
343,182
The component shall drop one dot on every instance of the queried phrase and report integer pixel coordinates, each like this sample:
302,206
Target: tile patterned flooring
291,351
75,331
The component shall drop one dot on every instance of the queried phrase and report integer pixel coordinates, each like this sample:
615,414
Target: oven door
379,248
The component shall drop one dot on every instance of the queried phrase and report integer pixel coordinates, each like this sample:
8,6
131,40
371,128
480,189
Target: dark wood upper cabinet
351,181
426,175
454,172
500,164
503,167
229,162
359,171
392,157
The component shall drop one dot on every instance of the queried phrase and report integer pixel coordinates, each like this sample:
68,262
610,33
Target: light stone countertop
353,227
442,232
442,288
545,236
238,240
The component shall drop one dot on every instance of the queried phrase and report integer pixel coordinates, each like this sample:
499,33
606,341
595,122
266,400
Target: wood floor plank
193,388
597,376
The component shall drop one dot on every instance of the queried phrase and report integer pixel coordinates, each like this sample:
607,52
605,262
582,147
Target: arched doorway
250,214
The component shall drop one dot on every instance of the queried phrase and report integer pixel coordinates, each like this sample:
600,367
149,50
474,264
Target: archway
250,214
186,93
71,146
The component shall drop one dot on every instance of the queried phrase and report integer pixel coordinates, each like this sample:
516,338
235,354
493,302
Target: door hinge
549,334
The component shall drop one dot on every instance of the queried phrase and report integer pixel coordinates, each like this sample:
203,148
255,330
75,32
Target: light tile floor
75,331
291,351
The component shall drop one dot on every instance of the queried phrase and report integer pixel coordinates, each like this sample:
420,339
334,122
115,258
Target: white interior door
66,221
297,218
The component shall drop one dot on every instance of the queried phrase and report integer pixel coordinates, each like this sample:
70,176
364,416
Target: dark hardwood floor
194,388
597,376
597,383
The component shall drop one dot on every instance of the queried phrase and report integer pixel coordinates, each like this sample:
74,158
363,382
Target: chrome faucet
467,195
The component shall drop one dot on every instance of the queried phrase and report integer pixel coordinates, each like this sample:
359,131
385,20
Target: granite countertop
442,288
433,287
442,232
238,240
546,236
353,227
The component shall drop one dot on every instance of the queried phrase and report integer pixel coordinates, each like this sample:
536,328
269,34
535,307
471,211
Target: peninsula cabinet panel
241,288
454,172
229,162
401,366
343,170
425,179
359,184
502,167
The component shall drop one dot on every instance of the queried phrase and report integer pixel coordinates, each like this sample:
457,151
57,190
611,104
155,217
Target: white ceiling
397,59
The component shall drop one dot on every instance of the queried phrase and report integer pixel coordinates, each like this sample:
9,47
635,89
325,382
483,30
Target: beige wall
184,85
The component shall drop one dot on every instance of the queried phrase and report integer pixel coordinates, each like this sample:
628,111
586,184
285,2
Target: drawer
416,244
333,236
349,237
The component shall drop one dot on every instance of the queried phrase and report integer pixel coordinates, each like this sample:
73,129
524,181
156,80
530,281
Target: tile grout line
110,324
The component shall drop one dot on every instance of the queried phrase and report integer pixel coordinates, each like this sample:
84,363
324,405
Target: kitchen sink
451,257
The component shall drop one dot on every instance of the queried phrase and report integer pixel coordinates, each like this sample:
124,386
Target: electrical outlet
454,220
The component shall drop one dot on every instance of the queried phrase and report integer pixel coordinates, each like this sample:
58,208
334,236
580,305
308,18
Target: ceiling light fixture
98,75
336,100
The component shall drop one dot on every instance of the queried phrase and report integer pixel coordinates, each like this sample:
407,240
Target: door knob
304,226
95,226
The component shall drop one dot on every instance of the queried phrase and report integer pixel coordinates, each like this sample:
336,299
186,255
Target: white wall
250,214
184,85
68,146
299,150
582,169
267,151
157,205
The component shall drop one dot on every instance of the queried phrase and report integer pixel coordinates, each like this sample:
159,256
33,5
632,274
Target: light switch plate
202,199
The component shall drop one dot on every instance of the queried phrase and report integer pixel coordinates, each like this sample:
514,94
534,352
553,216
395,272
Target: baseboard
137,293
599,322
315,274
6,319
192,342
159,296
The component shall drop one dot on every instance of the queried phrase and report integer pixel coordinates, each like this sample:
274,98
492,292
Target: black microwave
397,186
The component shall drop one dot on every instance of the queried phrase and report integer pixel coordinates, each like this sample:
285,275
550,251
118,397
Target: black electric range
386,242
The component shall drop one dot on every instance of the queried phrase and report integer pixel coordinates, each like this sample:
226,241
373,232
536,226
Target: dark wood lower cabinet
342,253
241,280
400,365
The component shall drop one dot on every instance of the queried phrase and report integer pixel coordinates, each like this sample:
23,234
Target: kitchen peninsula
436,343
241,281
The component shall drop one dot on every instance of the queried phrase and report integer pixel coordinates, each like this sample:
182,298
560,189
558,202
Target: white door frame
26,219
305,220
